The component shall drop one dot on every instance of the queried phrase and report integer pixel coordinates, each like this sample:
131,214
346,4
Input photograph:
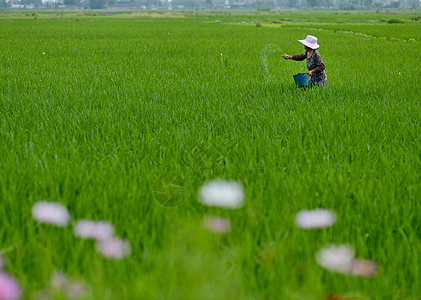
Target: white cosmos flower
336,258
97,230
221,193
318,218
114,248
52,213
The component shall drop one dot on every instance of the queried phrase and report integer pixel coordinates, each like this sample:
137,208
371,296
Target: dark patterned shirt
315,62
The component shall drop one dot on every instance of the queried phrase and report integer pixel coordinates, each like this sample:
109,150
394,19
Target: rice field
141,120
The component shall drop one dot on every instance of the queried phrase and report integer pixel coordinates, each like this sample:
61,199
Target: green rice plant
124,119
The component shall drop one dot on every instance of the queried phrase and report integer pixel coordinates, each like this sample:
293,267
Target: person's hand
286,56
311,73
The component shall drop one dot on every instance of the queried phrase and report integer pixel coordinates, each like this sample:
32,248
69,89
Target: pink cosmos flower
363,268
72,289
52,213
97,230
58,280
76,290
114,248
217,224
9,287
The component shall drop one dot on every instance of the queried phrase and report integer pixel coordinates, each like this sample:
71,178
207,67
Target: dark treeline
211,4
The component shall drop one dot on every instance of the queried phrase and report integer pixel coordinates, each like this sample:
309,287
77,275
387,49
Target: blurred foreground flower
221,193
9,287
336,258
114,248
75,290
341,259
363,268
107,244
97,230
58,280
318,218
52,213
217,224
60,285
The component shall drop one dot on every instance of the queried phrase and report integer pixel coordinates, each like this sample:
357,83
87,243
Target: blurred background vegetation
261,5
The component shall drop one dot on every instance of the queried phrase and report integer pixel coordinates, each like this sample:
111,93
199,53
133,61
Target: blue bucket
301,79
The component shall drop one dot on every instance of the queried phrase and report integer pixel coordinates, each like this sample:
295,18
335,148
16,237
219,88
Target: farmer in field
315,65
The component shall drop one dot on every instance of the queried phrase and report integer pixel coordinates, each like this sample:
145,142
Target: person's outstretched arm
295,57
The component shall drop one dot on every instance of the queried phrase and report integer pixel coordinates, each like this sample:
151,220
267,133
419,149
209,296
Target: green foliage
395,21
291,3
96,4
347,6
111,116
312,3
394,4
71,2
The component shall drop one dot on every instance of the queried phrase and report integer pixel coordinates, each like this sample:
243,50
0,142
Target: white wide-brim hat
310,41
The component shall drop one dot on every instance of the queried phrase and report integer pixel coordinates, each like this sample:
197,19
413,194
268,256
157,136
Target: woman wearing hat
315,64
